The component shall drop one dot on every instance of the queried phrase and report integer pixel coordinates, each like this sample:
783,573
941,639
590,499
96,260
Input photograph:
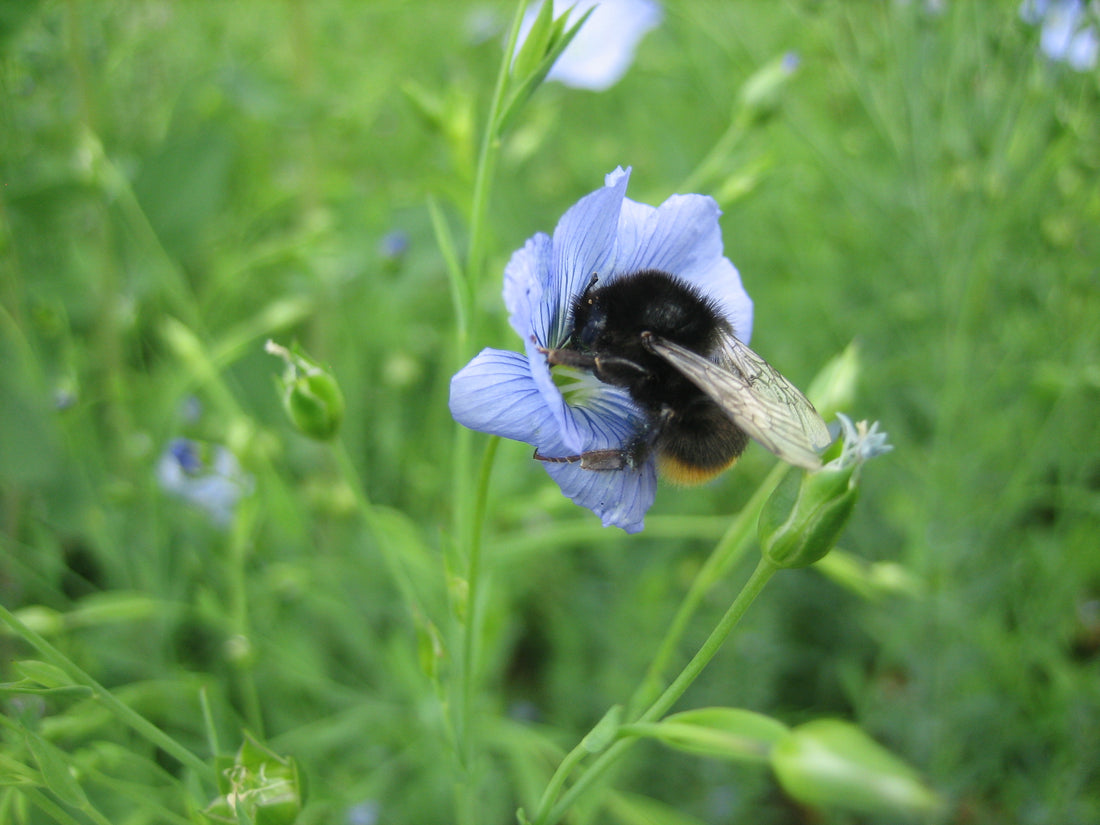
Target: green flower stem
123,712
486,163
240,544
475,581
717,158
469,512
752,588
487,160
729,550
557,781
476,586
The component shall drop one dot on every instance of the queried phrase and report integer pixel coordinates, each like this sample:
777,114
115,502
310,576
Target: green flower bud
832,763
804,516
310,394
259,784
802,519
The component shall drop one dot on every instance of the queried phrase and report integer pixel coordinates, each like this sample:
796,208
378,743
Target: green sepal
723,733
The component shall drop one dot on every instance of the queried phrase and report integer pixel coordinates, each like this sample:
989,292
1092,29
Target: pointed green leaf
54,765
537,42
527,87
43,673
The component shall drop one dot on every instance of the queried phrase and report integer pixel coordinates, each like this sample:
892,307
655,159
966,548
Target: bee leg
596,460
569,358
622,372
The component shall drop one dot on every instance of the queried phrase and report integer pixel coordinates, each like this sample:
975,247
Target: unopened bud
310,394
831,763
806,513
802,519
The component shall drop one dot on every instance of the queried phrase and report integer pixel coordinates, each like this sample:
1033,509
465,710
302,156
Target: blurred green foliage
179,182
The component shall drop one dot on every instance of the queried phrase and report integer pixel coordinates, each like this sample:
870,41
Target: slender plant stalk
711,166
547,815
475,602
240,541
469,511
729,550
487,158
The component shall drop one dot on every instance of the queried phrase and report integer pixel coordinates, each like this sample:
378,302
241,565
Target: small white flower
861,443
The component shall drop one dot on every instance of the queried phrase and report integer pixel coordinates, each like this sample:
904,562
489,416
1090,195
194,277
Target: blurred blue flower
604,48
364,813
394,244
570,412
1067,35
205,475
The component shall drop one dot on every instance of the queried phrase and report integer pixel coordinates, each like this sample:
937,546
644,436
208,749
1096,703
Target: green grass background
180,181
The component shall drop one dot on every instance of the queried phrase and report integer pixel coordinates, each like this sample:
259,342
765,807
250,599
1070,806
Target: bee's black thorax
609,321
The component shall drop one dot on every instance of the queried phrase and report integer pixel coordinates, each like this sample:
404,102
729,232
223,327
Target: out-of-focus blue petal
1032,11
207,476
1083,49
603,50
496,394
1067,34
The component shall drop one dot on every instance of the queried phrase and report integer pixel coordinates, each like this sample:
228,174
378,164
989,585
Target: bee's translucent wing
759,400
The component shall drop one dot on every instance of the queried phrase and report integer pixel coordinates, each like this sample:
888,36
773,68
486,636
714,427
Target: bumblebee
702,392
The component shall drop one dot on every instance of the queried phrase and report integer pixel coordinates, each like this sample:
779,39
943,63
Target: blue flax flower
1067,34
207,476
569,412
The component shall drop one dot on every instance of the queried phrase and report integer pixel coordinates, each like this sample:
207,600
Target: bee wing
758,399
